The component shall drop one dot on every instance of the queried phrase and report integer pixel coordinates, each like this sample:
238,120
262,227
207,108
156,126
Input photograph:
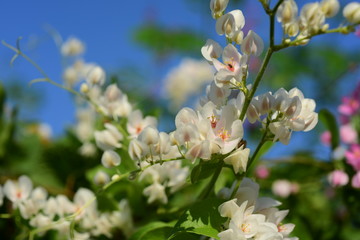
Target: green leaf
153,231
164,41
202,218
203,170
329,120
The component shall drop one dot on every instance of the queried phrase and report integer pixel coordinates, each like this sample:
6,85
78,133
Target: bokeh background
138,43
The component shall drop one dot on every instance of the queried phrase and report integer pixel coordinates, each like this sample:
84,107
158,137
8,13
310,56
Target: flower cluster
312,17
254,217
41,211
350,149
284,112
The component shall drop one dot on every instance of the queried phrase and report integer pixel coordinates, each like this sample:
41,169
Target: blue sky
106,27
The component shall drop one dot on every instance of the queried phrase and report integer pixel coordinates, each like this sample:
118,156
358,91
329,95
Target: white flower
227,133
71,76
40,220
136,123
156,191
217,7
228,209
18,191
238,159
149,136
352,12
114,103
84,197
72,47
199,150
110,159
252,44
252,217
231,70
216,95
211,50
230,23
288,111
87,149
96,76
137,149
109,138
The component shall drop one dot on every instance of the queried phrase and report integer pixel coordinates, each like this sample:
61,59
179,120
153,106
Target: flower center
245,227
138,129
18,194
213,121
223,134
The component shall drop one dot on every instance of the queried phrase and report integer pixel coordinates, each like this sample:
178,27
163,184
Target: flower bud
217,7
352,12
291,29
101,178
330,7
228,209
200,150
282,188
355,182
70,76
115,177
137,149
238,37
211,50
252,44
230,23
149,136
338,178
110,159
262,172
72,47
84,88
238,159
348,134
96,76
287,12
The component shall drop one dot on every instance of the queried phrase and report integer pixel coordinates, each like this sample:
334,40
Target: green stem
205,193
258,148
238,182
256,83
297,42
47,78
5,216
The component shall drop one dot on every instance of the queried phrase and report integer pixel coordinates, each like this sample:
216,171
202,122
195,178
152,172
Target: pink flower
353,156
355,182
349,106
326,138
338,178
357,33
283,188
262,172
348,134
